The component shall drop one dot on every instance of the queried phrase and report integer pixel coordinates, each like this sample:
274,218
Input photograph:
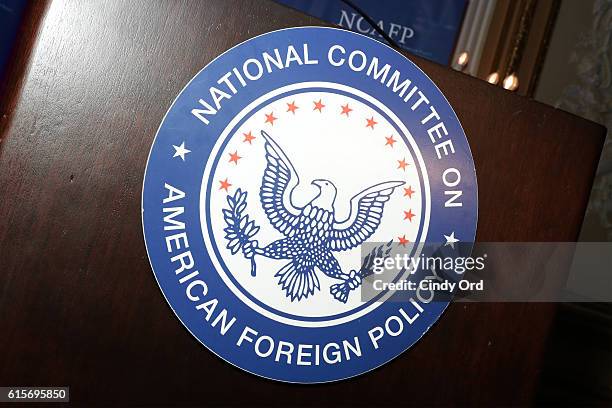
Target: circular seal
281,178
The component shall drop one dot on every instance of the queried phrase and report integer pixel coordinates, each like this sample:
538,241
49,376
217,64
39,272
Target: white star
181,151
451,240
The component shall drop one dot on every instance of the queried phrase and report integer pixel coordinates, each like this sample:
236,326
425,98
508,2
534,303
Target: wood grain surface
79,305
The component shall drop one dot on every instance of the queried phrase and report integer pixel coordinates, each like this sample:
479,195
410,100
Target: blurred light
463,59
493,78
511,82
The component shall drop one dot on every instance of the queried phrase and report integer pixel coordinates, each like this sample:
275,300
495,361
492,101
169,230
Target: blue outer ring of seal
179,125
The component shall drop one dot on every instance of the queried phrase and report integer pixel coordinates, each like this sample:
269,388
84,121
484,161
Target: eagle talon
354,280
340,291
249,249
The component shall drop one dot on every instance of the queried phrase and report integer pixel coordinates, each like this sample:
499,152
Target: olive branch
240,230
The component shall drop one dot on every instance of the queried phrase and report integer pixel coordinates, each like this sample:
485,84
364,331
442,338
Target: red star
345,110
291,107
390,141
248,137
371,122
408,215
234,157
225,185
270,118
402,164
408,191
318,106
402,240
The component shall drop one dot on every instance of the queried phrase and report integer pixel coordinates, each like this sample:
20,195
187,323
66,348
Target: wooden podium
79,306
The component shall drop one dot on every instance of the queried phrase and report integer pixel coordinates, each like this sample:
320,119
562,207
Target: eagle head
327,194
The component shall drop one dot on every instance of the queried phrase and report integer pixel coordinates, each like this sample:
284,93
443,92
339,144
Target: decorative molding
474,33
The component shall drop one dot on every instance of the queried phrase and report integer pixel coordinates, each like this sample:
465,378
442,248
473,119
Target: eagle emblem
312,233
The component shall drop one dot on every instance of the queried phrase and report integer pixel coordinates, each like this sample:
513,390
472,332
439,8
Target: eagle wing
364,218
279,180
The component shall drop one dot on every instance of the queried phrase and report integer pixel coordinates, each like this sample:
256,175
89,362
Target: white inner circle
321,143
